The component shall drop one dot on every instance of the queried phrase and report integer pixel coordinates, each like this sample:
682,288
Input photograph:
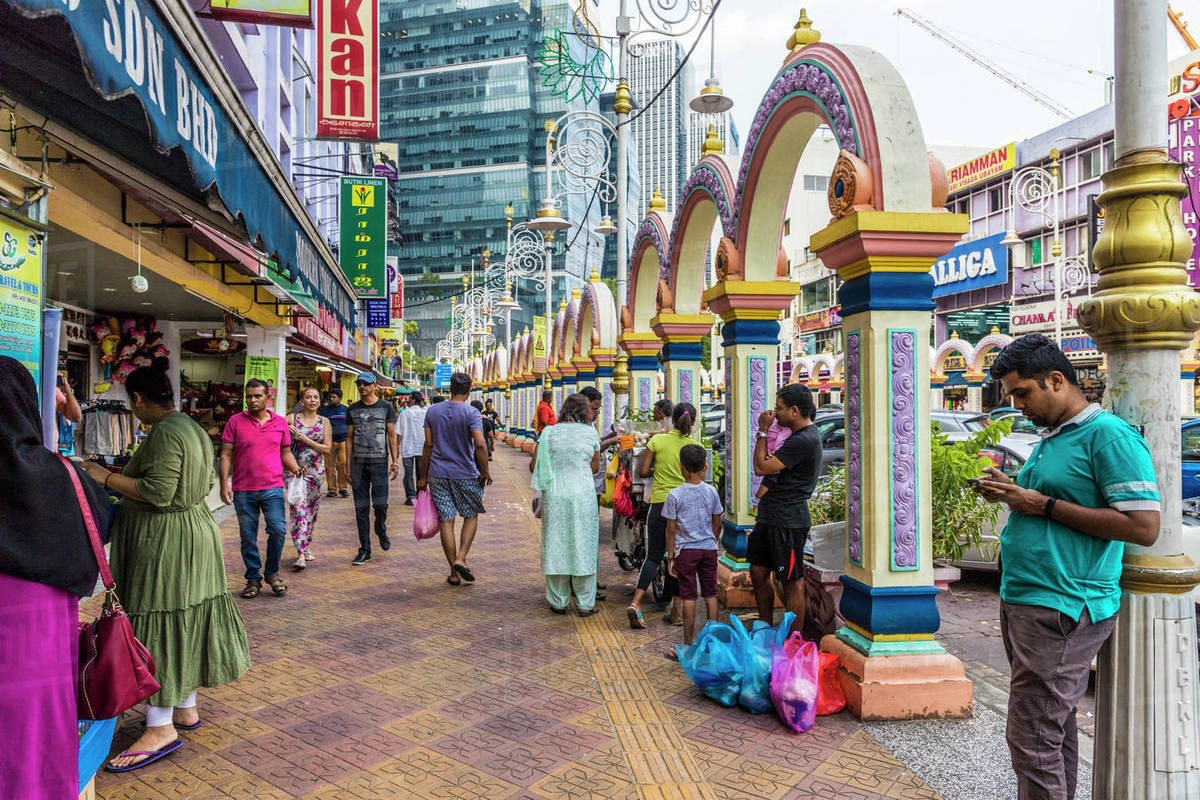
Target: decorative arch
567,344
647,267
802,370
986,350
823,84
705,201
949,348
597,323
552,352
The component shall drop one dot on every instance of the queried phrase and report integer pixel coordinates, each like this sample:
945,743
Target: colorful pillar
604,361
892,667
643,350
682,334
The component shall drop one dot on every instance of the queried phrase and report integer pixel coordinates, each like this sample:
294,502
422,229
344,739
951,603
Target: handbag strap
89,522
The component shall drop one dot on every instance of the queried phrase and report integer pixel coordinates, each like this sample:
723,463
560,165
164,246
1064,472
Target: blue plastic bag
753,649
713,663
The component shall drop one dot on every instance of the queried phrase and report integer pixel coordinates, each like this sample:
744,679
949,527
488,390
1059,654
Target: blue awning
128,57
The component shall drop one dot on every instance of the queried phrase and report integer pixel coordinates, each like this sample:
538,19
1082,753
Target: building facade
660,119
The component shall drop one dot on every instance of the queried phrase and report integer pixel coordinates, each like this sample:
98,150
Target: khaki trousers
337,474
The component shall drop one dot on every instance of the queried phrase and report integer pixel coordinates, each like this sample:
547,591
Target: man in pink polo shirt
256,448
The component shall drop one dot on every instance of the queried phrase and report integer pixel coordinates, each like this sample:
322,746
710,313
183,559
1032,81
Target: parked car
1008,455
1189,443
712,418
956,422
1020,423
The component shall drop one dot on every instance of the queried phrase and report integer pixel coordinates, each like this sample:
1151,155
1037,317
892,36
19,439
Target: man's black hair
692,457
335,392
478,406
797,395
1033,356
591,393
460,383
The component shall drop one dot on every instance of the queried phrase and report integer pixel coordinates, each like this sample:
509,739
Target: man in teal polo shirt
1088,488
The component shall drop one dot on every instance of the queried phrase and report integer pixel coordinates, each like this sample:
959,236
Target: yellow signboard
981,168
21,296
540,337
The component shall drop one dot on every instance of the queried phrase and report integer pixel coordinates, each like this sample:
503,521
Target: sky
1051,44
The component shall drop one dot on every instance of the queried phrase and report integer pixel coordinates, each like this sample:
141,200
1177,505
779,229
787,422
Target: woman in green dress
170,575
564,461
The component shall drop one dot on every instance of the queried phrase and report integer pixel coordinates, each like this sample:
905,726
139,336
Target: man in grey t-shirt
454,466
370,447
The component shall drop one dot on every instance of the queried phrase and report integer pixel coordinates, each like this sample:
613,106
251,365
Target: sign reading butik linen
362,249
973,265
348,69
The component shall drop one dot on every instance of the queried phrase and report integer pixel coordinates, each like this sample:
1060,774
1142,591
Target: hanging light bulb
712,99
138,282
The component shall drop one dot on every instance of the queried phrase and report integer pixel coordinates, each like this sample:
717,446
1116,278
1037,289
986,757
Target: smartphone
972,482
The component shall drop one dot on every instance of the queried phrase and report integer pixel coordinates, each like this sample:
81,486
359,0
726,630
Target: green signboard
363,241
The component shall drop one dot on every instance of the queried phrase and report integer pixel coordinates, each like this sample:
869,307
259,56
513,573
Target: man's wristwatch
762,435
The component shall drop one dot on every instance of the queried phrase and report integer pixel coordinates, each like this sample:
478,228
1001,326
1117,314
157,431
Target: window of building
816,183
787,227
1090,165
996,199
1110,155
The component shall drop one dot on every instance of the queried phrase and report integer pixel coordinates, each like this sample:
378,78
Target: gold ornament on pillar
1143,299
657,201
713,146
620,378
803,33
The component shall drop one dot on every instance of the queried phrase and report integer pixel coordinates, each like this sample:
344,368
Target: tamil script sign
988,165
348,69
972,265
363,242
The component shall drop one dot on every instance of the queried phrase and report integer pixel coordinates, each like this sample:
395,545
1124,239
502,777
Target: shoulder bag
116,671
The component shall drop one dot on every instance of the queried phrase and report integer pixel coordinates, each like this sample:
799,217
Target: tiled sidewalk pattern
382,681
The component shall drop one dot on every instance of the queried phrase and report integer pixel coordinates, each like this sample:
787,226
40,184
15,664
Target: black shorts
781,549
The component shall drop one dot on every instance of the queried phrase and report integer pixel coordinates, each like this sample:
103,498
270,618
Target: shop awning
160,112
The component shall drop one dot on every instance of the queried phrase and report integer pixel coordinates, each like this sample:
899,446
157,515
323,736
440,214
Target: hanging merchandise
127,343
108,429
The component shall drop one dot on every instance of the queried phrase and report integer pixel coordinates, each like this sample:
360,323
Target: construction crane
995,69
1181,28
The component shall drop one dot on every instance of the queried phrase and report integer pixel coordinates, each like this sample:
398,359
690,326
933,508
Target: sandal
635,617
252,589
454,580
278,587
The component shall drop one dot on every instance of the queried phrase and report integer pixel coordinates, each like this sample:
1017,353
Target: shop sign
539,344
972,265
265,368
290,13
988,165
377,313
387,154
323,330
441,375
75,327
990,358
813,320
1095,227
395,293
21,296
1039,317
363,241
1078,346
348,69
954,362
388,337
1183,145
835,316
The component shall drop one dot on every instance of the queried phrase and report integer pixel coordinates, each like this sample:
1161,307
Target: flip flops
150,757
635,617
671,654
192,727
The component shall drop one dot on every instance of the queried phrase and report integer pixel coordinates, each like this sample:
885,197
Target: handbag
116,671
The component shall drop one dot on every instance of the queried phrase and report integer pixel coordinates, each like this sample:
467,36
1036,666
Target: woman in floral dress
566,457
310,443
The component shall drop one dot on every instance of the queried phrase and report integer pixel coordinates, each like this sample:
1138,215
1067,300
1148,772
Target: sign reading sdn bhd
972,265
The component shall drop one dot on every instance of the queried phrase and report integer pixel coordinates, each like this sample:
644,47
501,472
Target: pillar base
933,686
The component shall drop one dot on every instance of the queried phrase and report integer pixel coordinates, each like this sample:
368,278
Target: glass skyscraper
461,95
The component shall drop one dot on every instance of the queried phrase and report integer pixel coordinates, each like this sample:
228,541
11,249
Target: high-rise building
461,95
660,121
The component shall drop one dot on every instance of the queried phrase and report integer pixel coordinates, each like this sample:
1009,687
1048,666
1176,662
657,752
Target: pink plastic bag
794,670
425,518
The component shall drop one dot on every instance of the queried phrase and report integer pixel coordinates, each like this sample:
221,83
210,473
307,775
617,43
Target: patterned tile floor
382,681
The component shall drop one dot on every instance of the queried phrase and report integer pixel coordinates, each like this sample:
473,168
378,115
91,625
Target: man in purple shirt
256,449
454,466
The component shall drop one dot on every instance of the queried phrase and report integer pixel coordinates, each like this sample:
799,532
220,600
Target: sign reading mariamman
988,165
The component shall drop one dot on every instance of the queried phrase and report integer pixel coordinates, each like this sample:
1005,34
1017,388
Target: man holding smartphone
1088,487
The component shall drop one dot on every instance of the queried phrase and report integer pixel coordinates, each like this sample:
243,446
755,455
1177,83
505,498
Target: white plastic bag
296,491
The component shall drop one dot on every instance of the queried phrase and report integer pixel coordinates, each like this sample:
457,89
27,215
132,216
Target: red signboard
348,69
324,330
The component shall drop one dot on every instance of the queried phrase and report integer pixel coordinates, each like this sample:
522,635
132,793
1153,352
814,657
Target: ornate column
682,334
750,336
643,350
892,667
602,362
1147,700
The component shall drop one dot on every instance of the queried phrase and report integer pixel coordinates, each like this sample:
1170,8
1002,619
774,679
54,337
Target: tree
422,365
410,327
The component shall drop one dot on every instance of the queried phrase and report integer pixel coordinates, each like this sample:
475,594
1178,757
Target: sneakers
362,558
384,542
343,493
331,494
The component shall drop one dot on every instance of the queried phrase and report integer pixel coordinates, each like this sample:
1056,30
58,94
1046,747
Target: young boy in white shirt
693,514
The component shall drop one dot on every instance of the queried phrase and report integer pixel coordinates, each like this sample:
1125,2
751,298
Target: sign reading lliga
348,69
988,165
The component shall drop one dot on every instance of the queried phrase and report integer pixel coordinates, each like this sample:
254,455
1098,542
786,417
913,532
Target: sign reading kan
348,69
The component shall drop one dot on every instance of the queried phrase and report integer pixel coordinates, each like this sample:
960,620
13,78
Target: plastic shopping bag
425,518
713,664
296,490
830,697
794,668
622,495
755,648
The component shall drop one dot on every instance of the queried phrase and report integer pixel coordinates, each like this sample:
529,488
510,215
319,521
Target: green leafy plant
828,503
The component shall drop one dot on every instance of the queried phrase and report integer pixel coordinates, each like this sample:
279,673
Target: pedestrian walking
337,473
255,451
693,514
661,460
167,560
1087,488
411,429
489,425
370,448
46,565
607,440
454,465
775,547
564,460
544,414
310,446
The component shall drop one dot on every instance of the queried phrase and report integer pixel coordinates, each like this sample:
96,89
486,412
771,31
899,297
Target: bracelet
1049,508
107,479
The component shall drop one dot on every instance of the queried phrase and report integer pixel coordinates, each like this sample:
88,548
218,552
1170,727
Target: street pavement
382,681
